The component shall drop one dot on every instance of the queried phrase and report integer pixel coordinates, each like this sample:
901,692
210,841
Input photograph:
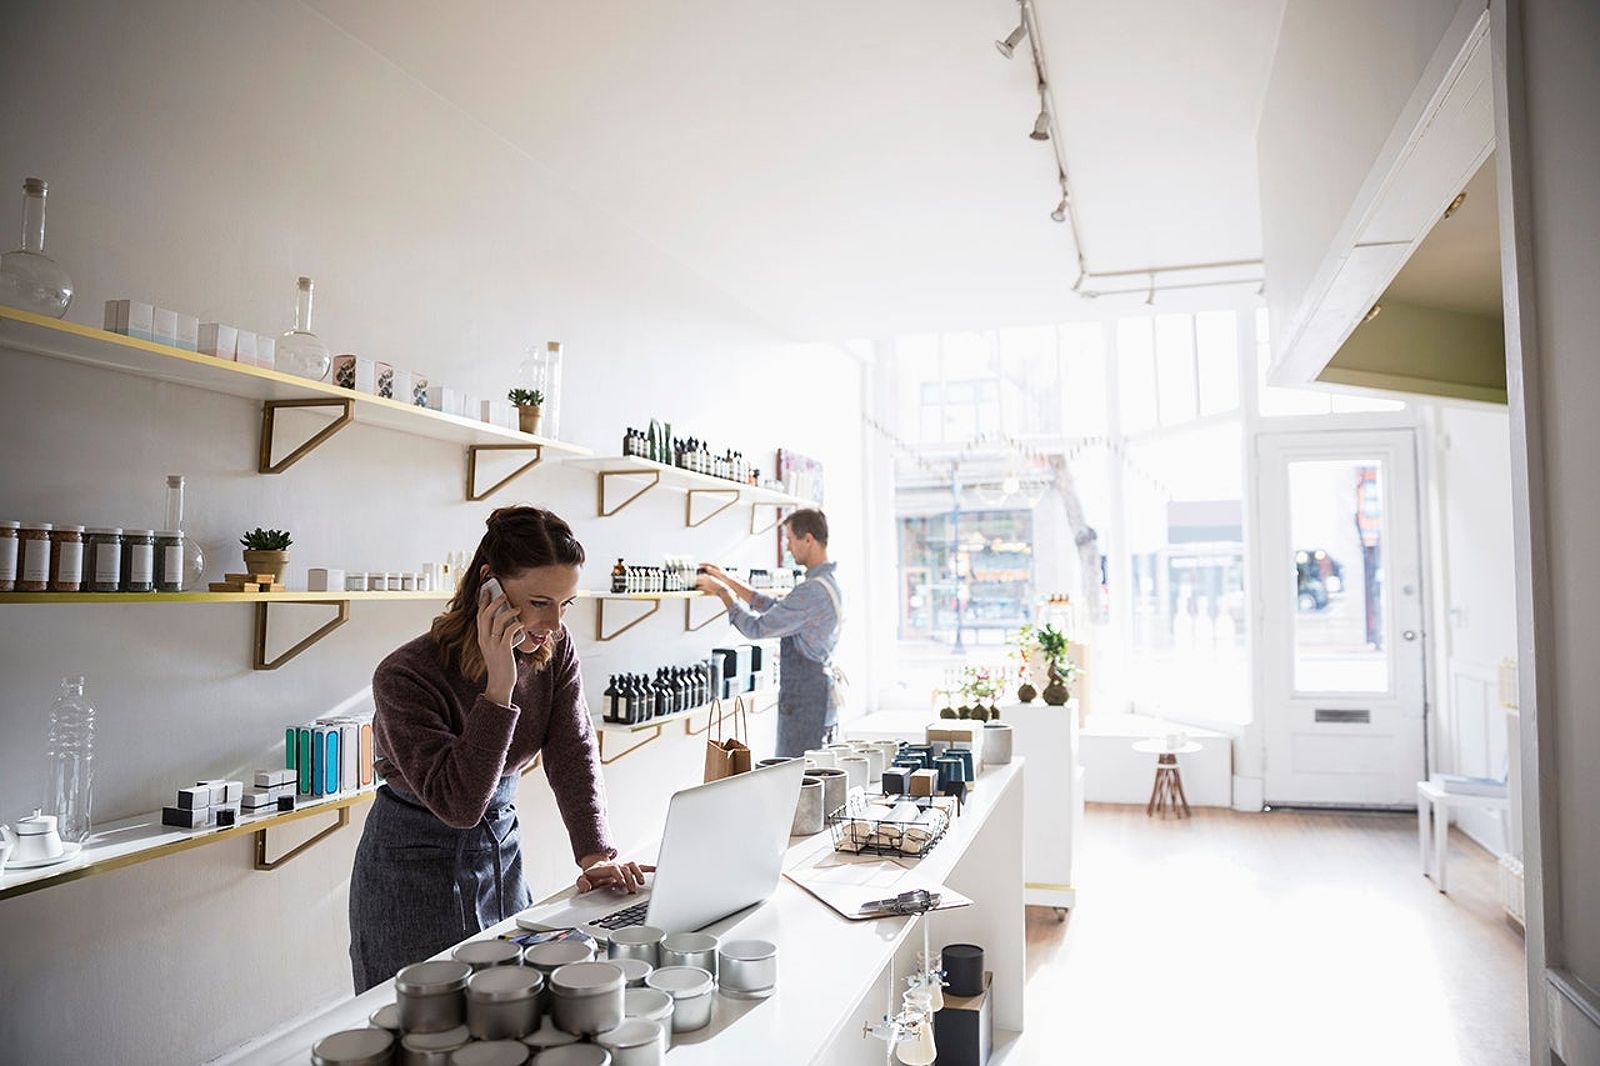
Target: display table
832,973
1048,737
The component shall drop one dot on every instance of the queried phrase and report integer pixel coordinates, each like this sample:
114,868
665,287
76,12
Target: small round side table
1167,794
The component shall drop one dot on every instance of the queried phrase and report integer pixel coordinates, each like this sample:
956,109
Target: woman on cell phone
460,710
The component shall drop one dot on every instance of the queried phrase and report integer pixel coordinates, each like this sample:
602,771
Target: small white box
165,328
131,318
194,799
324,579
188,333
501,413
444,399
244,347
255,799
217,339
355,373
266,352
383,380
223,792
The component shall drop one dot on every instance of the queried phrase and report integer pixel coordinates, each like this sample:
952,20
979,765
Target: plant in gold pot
530,405
266,551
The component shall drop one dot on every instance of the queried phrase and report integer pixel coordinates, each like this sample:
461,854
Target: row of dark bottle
659,445
633,698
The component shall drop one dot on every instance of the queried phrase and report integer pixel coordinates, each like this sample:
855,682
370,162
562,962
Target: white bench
1432,798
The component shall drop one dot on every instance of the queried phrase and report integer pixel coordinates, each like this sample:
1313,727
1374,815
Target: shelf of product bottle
214,597
24,331
143,837
759,696
674,477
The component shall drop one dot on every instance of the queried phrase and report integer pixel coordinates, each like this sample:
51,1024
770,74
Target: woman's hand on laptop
602,871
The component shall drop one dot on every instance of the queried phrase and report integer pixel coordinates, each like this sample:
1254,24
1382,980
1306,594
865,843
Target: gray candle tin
690,949
482,954
431,996
432,1049
636,1042
575,1055
355,1047
491,1053
652,1004
641,942
586,997
549,957
385,1017
548,1036
690,988
749,968
503,1002
634,971
808,818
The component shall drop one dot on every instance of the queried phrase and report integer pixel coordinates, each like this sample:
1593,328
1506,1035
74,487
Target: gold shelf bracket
600,741
777,517
269,411
690,625
341,616
729,497
604,478
264,863
600,633
472,467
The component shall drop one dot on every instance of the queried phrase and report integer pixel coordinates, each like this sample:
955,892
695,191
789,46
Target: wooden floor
1283,937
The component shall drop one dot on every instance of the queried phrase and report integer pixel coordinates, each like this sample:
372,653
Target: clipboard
844,886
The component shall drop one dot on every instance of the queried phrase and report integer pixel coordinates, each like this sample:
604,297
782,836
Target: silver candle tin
690,988
431,995
491,1053
636,1042
575,1055
808,817
549,957
355,1047
634,971
385,1017
641,942
503,1002
432,1049
749,968
482,954
548,1036
690,949
586,997
653,1005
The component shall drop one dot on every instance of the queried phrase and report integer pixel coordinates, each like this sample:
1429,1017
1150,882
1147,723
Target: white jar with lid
138,560
355,581
8,555
103,560
503,1002
355,1047
33,565
586,997
432,995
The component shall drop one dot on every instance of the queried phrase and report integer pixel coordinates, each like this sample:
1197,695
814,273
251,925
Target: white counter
832,973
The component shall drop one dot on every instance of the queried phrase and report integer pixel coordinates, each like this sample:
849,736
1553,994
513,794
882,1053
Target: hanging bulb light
1014,38
1041,126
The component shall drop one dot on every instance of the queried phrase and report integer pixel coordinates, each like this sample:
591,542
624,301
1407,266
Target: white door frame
1395,739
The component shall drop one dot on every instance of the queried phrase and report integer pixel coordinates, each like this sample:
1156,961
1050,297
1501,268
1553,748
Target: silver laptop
722,851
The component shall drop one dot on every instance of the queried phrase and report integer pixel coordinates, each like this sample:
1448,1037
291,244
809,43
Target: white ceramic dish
69,850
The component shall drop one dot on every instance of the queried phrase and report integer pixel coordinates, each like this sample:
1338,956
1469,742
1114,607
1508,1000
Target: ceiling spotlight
1013,39
1060,213
1041,126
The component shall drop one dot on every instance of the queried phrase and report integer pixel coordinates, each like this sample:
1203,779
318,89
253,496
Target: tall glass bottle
29,279
194,559
552,394
71,794
299,350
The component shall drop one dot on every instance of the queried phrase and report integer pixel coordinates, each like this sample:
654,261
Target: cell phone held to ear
492,586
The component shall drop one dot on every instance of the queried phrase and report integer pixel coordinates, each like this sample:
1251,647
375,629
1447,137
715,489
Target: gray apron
805,700
419,886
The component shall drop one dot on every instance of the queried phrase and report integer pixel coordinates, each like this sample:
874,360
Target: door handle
1409,634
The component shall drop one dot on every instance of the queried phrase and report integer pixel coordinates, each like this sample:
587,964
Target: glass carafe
299,350
71,795
540,369
29,279
194,559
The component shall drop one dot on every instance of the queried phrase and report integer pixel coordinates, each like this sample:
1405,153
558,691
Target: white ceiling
863,169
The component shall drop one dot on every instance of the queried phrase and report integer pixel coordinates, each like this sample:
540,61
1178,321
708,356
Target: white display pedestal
1052,792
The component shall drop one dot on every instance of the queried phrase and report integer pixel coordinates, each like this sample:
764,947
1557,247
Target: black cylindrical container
963,969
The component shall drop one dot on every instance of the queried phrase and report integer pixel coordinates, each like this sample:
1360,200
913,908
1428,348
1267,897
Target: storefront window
966,578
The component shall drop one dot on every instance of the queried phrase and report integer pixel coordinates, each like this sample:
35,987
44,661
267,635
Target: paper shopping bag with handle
726,756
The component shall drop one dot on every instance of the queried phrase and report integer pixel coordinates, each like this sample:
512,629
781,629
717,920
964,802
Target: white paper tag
71,562
141,564
36,560
107,564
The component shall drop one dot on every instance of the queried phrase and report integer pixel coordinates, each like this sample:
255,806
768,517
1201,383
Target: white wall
1475,609
1342,75
201,155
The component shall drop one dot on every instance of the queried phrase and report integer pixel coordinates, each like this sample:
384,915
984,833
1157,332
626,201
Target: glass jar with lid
66,558
33,568
170,562
138,560
103,562
8,555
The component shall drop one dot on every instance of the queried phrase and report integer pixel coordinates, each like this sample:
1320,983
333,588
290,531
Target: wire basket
857,831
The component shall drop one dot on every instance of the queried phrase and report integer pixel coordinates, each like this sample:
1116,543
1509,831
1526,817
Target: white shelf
216,597
143,837
27,332
674,477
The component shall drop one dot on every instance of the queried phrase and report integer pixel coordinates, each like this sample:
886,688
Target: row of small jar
484,1008
42,557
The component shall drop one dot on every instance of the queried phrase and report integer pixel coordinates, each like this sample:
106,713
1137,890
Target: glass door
1342,643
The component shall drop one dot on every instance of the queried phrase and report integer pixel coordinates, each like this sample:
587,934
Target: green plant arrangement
266,540
526,397
530,406
982,687
1041,654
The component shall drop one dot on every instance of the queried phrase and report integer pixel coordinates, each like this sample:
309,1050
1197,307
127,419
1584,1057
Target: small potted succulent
266,551
530,404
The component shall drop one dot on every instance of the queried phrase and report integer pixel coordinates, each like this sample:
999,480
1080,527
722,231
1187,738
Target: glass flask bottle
194,559
71,794
29,279
300,351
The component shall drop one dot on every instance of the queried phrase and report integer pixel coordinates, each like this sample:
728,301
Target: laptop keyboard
627,916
